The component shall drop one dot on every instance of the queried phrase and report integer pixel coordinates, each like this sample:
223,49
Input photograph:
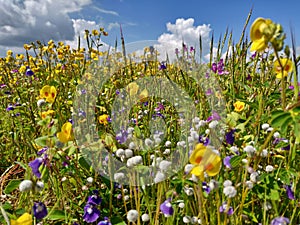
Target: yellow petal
259,45
213,165
62,137
198,171
197,154
25,219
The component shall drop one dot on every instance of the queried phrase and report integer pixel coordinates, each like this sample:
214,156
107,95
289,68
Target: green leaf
41,141
117,221
137,132
235,161
83,163
57,215
274,195
11,186
280,119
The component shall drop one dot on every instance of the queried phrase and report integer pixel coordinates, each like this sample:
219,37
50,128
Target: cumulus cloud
23,21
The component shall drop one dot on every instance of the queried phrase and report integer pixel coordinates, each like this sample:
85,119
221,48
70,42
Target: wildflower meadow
106,136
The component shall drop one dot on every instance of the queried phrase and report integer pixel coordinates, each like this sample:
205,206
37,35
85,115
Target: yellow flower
132,88
25,219
65,135
287,65
47,113
103,119
95,32
205,160
49,93
239,106
143,95
258,38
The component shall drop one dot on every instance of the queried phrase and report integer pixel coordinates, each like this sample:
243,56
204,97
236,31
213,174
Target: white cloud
106,11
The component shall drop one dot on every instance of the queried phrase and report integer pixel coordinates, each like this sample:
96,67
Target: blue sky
161,20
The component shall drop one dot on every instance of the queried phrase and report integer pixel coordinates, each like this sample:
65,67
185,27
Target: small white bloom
227,183
276,135
234,149
254,177
167,151
202,123
164,165
264,153
63,179
119,177
213,184
269,129
25,185
207,131
89,180
181,205
39,186
213,124
250,150
229,191
249,184
194,178
189,191
148,142
135,160
131,145
120,152
168,143
186,219
157,140
267,206
265,126
159,177
181,144
145,217
194,220
126,198
245,161
196,120
84,188
130,130
188,168
40,102
132,215
128,153
195,135
269,168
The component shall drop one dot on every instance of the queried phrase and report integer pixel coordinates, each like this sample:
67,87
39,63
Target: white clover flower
157,140
130,130
41,102
234,149
119,177
63,179
213,124
168,144
267,206
249,184
188,168
195,135
194,178
84,188
156,161
89,180
164,165
145,217
125,190
270,129
120,152
186,219
131,145
181,144
245,161
167,151
264,153
276,135
126,198
265,126
202,123
148,142
159,177
229,191
132,215
25,185
250,150
269,168
135,160
207,131
39,186
196,120
189,191
181,205
213,184
254,177
128,153
227,183
194,220
190,139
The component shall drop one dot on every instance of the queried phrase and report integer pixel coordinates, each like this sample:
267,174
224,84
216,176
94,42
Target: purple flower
162,66
42,151
176,51
35,165
226,161
122,136
166,208
81,113
192,49
159,107
280,221
214,67
289,192
91,213
214,116
28,72
10,107
204,140
229,136
104,222
94,199
224,207
205,187
39,210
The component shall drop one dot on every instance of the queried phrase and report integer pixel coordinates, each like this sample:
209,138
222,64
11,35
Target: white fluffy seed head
120,152
119,177
265,126
25,185
39,186
128,153
159,177
132,215
229,191
145,217
164,165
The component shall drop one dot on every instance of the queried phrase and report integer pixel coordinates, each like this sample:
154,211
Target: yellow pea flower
257,36
287,65
95,32
239,106
103,119
25,219
132,88
65,135
143,95
205,160
49,93
47,113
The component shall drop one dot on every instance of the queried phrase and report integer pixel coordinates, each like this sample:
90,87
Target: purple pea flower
28,72
166,208
159,107
229,136
192,49
226,161
280,221
204,140
214,67
35,165
162,66
91,213
122,136
289,192
176,51
205,187
94,199
104,222
214,116
39,210
224,207
10,107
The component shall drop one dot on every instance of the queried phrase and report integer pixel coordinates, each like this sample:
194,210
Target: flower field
94,136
